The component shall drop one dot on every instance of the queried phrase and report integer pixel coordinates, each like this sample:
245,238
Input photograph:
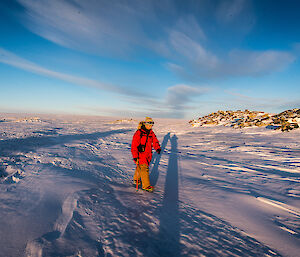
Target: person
141,148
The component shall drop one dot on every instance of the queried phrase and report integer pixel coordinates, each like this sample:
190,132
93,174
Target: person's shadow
154,172
169,228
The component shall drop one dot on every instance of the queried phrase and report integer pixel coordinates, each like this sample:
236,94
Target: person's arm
136,140
156,145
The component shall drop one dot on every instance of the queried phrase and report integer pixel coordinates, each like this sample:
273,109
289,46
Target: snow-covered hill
65,190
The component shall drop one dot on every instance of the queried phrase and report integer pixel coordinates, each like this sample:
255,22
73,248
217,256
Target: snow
65,189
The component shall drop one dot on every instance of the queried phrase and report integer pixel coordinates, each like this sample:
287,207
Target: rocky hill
285,121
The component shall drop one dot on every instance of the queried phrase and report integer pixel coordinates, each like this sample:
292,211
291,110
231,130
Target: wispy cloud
12,59
296,48
99,27
262,103
121,28
257,62
191,51
236,63
180,96
177,102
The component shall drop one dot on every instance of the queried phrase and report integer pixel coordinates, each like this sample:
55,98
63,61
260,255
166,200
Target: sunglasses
150,122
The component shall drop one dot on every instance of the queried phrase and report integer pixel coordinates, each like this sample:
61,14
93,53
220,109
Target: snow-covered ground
66,190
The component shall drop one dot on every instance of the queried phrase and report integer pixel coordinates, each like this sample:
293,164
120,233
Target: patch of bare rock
285,121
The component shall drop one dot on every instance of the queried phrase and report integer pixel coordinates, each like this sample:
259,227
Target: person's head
148,123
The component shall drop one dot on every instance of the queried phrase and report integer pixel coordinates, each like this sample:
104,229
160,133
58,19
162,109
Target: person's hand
158,151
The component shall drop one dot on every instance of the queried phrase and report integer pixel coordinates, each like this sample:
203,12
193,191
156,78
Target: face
148,126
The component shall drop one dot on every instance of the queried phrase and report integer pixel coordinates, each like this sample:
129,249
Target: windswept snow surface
65,190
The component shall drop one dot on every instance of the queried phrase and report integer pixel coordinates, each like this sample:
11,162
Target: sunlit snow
65,190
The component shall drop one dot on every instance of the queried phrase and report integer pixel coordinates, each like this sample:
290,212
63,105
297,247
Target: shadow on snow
169,213
31,143
155,173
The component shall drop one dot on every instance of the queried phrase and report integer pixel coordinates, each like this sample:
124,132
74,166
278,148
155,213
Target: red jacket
141,137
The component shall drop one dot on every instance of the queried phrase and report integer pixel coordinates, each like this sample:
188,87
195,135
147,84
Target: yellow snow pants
142,172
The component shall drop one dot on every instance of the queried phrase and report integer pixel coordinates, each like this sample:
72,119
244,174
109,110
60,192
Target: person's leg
144,173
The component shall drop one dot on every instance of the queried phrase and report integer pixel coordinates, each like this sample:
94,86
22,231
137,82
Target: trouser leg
137,173
144,174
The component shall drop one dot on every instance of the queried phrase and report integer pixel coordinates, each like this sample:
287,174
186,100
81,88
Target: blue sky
175,59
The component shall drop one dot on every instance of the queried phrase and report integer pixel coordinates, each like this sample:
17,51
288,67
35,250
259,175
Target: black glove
135,159
158,151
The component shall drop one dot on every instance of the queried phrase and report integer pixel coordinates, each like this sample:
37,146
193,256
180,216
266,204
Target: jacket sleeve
156,145
136,140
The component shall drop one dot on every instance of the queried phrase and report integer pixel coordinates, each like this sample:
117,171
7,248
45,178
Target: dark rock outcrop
287,120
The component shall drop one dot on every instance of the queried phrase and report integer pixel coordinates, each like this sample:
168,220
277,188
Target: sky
132,58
